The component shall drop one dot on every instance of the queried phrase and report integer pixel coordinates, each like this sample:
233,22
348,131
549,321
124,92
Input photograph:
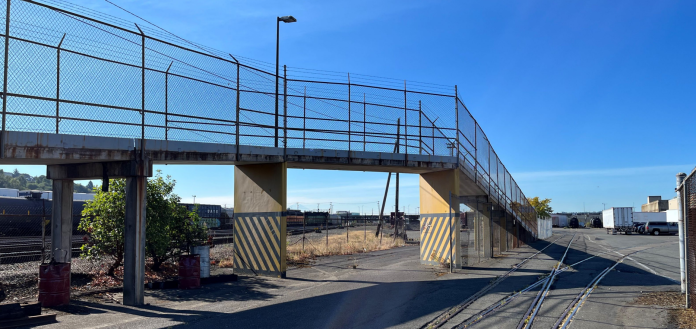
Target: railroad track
449,314
566,317
528,319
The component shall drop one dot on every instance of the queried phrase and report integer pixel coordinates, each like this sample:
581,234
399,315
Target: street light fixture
284,19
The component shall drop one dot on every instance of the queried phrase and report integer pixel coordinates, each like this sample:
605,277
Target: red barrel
54,284
189,271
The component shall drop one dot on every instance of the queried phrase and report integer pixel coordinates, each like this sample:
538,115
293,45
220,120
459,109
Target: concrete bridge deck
49,149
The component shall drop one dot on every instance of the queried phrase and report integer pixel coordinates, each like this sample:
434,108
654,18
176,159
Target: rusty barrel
54,284
189,271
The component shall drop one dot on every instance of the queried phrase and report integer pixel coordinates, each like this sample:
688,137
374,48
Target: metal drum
204,252
54,284
189,272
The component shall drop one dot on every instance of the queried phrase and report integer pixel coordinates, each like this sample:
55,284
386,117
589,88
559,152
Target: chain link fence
72,70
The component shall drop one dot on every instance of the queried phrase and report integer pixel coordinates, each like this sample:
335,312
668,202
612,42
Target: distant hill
27,182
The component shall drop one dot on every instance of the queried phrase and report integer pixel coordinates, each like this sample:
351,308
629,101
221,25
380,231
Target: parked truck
618,219
657,228
644,217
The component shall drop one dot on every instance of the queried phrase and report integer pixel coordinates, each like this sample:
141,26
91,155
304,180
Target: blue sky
585,102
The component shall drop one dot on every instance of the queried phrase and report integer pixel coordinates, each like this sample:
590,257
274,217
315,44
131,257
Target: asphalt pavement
390,289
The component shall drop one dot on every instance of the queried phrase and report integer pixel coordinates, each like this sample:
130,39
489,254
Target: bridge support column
62,220
260,202
440,238
486,234
502,230
134,255
135,172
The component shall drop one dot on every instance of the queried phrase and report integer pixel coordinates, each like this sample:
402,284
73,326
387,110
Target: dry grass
683,318
337,246
674,301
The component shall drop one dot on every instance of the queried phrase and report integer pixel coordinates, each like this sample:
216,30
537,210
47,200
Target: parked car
636,225
641,229
657,228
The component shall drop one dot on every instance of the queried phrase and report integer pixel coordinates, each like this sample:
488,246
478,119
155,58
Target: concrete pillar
503,231
260,202
486,234
135,172
62,220
440,238
134,255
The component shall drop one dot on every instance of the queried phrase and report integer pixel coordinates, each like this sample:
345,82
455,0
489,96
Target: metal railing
70,70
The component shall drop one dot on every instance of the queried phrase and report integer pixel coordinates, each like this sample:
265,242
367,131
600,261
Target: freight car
23,216
210,214
316,218
573,223
596,222
295,217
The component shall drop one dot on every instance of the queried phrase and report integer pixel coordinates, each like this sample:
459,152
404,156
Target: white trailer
10,192
544,228
618,219
559,220
671,215
644,217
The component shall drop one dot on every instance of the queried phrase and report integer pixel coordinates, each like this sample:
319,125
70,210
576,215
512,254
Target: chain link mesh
72,70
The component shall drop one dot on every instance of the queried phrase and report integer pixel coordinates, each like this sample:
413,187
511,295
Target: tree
170,227
103,221
542,207
90,186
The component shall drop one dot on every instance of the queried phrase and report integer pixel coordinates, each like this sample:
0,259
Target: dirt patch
667,299
679,317
682,318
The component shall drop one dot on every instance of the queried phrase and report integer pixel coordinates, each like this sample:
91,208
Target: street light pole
284,19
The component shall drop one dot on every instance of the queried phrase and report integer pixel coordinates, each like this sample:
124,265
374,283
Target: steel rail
447,315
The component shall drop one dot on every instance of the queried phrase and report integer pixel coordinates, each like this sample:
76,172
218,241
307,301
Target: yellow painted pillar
260,197
439,235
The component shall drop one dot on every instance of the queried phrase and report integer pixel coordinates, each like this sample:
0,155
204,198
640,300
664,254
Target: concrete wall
544,228
655,206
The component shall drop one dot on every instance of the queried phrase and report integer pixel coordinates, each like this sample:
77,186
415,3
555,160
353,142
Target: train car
294,217
210,214
21,216
316,218
596,222
573,223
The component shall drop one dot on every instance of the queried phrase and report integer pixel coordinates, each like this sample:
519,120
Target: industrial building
656,204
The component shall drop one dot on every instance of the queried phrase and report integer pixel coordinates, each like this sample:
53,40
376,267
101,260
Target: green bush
170,228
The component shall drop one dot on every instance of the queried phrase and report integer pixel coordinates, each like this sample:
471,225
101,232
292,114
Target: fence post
451,232
682,233
364,123
4,85
405,124
349,122
58,82
236,118
142,111
304,118
285,111
420,128
166,102
456,113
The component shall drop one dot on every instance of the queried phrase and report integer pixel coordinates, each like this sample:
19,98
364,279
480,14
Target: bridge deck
44,149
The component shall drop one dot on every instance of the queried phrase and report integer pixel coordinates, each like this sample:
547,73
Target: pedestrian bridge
97,97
